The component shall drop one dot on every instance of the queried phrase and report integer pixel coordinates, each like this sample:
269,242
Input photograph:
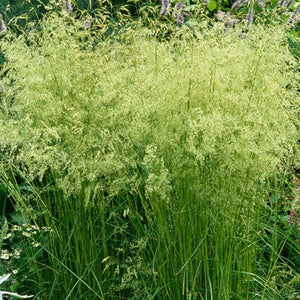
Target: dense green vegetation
146,157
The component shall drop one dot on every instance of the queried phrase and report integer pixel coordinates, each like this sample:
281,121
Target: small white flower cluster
17,253
16,228
13,240
6,255
47,229
35,244
7,236
14,234
28,230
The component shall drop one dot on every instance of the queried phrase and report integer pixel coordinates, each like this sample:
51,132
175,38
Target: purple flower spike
179,13
249,18
2,24
285,3
261,3
88,24
68,6
294,18
165,5
237,4
290,3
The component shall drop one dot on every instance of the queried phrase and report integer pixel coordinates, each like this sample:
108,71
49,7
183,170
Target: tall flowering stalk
261,3
165,6
294,17
237,5
2,24
228,18
68,6
285,3
250,14
178,13
249,18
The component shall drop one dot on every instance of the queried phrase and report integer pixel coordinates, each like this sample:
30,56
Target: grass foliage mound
159,152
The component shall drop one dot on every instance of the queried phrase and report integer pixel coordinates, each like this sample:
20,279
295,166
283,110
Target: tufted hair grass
153,156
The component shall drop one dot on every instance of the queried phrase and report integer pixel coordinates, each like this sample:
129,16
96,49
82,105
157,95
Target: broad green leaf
212,5
294,33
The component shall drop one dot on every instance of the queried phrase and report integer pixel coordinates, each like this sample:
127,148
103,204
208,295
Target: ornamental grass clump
180,134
